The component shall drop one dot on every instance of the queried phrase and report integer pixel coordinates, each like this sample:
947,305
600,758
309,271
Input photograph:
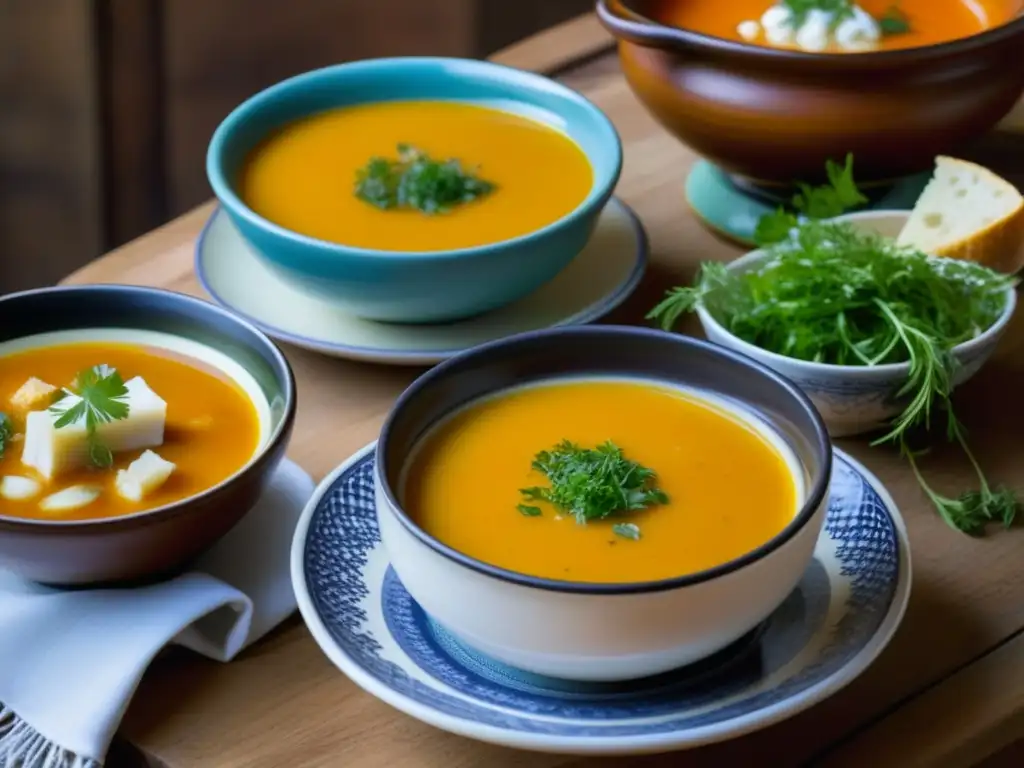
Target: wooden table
948,691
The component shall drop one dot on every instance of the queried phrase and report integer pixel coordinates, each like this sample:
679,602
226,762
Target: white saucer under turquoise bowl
597,281
829,630
417,286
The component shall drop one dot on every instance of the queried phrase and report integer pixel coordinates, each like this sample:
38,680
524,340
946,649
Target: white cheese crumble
749,30
818,32
859,32
778,29
813,34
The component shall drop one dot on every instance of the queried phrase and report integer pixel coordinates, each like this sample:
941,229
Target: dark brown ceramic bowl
157,542
776,116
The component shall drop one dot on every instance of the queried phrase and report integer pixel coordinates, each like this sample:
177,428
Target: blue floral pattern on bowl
827,631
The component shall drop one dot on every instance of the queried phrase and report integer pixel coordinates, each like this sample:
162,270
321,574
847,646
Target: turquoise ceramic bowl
404,286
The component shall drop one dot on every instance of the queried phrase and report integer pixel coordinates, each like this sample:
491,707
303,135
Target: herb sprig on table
6,432
417,181
828,293
593,484
102,393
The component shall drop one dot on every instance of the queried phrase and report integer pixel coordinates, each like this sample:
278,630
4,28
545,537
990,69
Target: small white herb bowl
856,399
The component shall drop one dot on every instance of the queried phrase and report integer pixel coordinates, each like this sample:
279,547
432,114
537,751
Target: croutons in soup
96,429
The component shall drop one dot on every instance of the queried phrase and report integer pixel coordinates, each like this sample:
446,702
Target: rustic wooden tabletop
948,691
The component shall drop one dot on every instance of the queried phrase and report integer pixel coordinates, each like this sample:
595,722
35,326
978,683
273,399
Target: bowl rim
884,371
601,188
156,515
815,495
637,26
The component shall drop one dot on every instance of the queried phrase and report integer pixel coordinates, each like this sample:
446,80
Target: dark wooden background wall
106,106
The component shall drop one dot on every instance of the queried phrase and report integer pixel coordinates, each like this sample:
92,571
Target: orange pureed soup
211,428
731,487
303,177
928,21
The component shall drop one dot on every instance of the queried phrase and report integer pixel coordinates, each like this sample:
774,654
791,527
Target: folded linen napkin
71,660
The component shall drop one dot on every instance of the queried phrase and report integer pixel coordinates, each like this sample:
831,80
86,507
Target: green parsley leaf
418,182
800,9
6,432
894,22
593,483
627,531
529,510
102,396
775,227
833,199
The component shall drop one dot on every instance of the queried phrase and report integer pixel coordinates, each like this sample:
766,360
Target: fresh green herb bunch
839,296
832,294
419,182
6,432
593,484
103,394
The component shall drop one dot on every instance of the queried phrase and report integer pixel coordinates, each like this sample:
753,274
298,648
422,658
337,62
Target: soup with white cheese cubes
100,428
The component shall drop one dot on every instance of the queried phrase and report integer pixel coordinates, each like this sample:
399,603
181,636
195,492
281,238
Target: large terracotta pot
774,115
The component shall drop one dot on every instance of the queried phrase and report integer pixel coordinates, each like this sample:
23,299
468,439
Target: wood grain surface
51,174
283,704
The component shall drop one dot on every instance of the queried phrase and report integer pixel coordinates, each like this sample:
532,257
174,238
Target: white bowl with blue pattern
857,399
841,615
603,631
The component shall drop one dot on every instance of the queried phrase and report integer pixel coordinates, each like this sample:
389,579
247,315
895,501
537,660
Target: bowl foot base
739,659
731,207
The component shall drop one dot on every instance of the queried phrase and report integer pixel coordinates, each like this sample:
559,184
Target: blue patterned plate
841,615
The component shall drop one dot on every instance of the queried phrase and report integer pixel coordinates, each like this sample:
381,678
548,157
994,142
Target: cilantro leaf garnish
833,199
418,182
102,396
593,483
894,22
800,9
6,432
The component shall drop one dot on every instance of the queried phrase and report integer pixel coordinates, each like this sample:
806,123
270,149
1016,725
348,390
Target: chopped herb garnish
894,22
529,510
102,396
971,511
832,294
419,182
626,531
800,9
593,483
6,432
836,197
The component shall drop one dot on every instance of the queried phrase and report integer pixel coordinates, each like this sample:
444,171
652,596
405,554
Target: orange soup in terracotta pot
838,26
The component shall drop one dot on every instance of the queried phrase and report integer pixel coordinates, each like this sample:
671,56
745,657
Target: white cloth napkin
70,661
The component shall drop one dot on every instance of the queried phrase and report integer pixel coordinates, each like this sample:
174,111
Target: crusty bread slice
968,212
